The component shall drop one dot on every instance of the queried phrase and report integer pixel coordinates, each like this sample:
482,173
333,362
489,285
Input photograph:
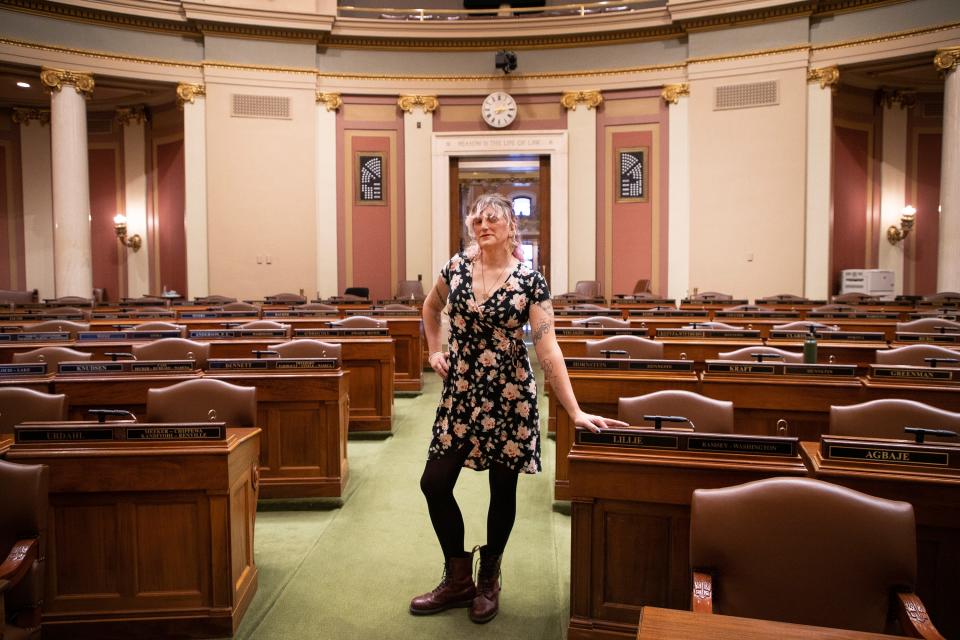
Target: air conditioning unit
871,282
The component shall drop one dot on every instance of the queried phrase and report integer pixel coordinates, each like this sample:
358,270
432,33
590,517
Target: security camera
506,61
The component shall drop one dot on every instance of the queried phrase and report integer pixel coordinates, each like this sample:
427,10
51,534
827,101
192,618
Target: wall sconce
907,216
120,226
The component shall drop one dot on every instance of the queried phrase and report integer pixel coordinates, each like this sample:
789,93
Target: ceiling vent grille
250,106
742,96
932,109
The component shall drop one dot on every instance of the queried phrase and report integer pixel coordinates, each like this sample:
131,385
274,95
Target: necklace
485,290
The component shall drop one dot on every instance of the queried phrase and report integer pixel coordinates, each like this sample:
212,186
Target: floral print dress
489,398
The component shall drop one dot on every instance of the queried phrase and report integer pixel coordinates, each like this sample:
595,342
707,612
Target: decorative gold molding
126,115
947,59
747,55
907,99
826,76
429,104
890,37
592,98
516,76
671,93
331,100
187,92
23,115
54,79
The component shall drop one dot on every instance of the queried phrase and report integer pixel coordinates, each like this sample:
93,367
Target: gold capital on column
826,76
333,101
571,99
428,103
671,93
947,59
23,115
187,92
126,115
54,79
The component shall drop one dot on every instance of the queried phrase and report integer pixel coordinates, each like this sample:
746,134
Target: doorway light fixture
120,227
907,217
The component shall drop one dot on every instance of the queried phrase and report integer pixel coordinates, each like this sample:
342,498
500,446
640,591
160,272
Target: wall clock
499,109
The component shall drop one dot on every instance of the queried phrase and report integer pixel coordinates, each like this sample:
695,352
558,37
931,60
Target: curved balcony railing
504,11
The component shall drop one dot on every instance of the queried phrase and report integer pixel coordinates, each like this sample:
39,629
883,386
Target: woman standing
487,418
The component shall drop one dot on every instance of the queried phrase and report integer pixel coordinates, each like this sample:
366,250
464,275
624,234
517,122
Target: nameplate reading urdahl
63,435
30,369
911,373
889,456
333,332
634,439
52,336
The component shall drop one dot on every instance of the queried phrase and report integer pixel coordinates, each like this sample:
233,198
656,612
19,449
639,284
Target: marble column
417,141
948,258
191,97
582,171
820,86
893,172
678,225
73,260
326,206
35,161
133,121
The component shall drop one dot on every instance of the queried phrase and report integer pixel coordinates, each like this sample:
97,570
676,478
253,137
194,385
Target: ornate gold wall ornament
54,79
331,100
187,92
126,115
905,98
429,104
826,76
947,60
671,93
23,115
591,98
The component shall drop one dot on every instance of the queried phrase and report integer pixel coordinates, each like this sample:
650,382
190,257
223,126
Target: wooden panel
109,263
158,571
83,550
851,200
170,199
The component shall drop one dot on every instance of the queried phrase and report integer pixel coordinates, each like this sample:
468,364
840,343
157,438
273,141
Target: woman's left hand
596,423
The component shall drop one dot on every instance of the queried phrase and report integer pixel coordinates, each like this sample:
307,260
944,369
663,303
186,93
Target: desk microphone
920,432
265,352
609,353
761,356
114,355
935,361
658,420
103,413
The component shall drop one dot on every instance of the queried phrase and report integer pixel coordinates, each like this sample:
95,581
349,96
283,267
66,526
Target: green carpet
347,569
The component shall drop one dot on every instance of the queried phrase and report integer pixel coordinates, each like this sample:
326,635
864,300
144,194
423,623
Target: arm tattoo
547,306
547,369
540,331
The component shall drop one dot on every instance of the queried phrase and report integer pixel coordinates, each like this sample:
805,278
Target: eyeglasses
493,216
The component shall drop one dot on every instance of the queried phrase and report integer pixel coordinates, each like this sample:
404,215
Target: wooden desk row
631,521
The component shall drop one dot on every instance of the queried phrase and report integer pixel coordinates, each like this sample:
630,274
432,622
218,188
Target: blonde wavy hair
503,206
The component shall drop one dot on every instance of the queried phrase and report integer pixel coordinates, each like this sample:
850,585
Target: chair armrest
702,593
19,560
913,617
4,585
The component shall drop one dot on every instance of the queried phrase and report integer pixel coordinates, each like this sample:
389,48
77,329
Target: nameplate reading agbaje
746,368
299,313
938,338
867,454
669,313
747,445
109,336
340,332
903,372
634,438
41,336
267,364
23,370
707,333
890,452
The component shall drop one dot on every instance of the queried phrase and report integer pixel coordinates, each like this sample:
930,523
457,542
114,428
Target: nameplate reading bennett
272,364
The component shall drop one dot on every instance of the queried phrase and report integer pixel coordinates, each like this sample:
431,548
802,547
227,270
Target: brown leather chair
804,325
712,324
410,290
746,354
804,551
743,307
942,296
588,306
886,418
710,296
397,307
173,349
913,355
360,322
319,306
242,306
69,301
203,400
161,326
929,325
636,347
705,414
306,348
834,308
846,298
782,297
214,300
642,286
18,404
587,289
601,321
69,326
266,325
285,298
356,293
53,356
19,296
64,312
23,531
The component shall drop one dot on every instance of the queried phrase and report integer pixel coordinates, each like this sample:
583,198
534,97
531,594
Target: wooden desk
673,624
944,395
304,418
935,496
630,528
148,539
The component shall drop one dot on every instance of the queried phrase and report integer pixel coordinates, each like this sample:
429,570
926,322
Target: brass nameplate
686,440
220,334
600,331
277,364
669,313
161,366
755,314
627,364
829,336
634,438
938,338
201,431
299,313
711,334
81,432
592,364
126,367
903,372
42,336
23,434
200,315
90,367
885,453
747,445
715,301
820,370
586,313
400,313
128,314
744,368
858,315
333,332
114,336
28,369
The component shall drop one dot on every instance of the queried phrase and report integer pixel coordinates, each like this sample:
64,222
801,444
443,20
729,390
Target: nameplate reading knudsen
97,367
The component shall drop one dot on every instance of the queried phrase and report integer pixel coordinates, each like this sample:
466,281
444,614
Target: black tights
437,483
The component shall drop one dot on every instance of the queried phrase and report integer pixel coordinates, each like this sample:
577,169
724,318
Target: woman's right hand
440,362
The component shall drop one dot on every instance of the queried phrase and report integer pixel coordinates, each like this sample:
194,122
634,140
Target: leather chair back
397,307
706,414
410,289
804,325
642,286
589,306
69,326
835,308
712,324
746,354
18,404
600,321
743,307
18,296
53,356
215,300
853,297
710,296
286,298
803,551
173,349
360,322
162,326
266,325
942,296
913,355
783,297
319,306
69,301
193,401
357,292
242,306
63,312
587,288
886,418
929,325
637,348
305,348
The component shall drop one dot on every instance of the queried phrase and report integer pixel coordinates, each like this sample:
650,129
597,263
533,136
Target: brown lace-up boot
456,588
487,601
